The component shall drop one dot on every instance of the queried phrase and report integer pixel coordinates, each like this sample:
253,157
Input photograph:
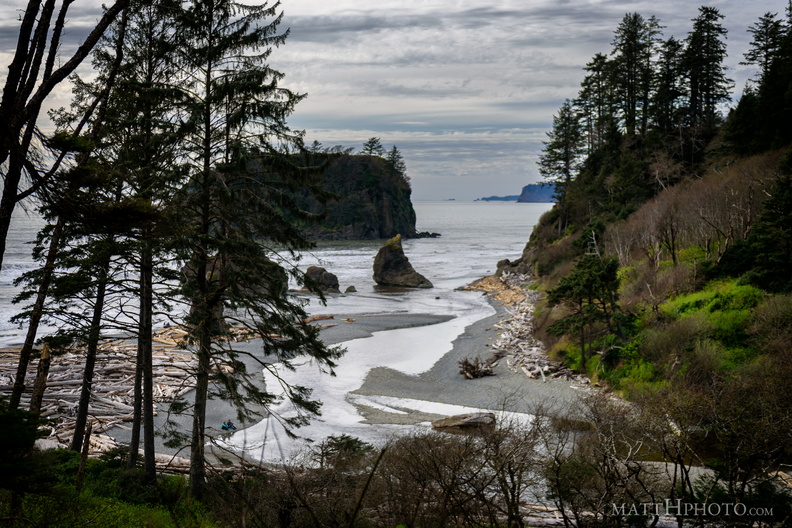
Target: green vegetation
112,495
695,209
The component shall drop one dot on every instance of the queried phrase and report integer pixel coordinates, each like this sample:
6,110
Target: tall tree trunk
90,356
37,313
197,460
203,324
145,345
137,413
41,381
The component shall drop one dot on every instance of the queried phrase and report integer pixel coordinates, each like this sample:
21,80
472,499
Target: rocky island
370,201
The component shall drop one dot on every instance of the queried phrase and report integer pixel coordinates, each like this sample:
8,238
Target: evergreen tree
590,292
373,147
706,73
141,139
237,206
768,34
562,155
89,111
670,86
396,163
596,100
634,47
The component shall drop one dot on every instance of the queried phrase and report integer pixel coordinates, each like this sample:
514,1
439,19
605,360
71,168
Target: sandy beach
507,390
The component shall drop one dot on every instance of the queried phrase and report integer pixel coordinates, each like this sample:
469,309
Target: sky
466,89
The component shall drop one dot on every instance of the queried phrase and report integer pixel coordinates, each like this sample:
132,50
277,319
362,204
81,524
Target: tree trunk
83,458
197,461
90,356
36,314
145,346
137,413
41,380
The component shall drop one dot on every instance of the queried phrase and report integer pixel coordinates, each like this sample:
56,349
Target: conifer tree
237,205
768,35
670,89
703,61
562,155
634,47
596,100
373,147
141,140
396,163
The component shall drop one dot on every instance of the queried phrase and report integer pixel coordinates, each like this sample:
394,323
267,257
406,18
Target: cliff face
538,193
372,201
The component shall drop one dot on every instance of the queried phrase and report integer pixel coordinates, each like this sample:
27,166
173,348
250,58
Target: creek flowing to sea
474,237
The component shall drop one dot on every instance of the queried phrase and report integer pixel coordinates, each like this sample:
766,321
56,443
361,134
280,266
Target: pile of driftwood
516,343
113,384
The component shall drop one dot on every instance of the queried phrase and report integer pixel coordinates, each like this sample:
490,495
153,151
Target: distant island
510,198
531,193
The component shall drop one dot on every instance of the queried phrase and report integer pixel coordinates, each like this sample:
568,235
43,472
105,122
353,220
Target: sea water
474,237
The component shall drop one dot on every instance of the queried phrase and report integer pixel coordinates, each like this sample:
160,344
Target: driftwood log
475,368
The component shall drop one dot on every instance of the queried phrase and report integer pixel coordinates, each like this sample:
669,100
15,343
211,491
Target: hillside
537,193
665,267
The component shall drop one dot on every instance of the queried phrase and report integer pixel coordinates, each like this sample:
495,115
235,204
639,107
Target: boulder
350,289
326,281
465,422
392,268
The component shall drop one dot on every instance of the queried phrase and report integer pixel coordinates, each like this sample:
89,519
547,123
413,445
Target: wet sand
505,391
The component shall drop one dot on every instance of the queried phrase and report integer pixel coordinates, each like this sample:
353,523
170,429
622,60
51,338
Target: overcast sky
466,89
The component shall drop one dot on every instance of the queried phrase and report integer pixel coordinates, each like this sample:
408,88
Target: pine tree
562,155
237,205
703,61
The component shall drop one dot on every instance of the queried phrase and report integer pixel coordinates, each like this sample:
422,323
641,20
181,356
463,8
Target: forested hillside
666,264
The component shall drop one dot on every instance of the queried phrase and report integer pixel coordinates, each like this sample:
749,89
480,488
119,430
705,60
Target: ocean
474,237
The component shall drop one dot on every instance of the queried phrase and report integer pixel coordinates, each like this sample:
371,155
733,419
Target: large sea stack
391,267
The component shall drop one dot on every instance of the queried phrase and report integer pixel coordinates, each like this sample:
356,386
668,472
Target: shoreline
387,397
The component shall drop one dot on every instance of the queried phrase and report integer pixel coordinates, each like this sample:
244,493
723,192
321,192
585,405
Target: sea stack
391,267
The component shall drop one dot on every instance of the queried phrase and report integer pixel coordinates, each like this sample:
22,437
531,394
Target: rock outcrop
326,281
392,268
369,201
537,193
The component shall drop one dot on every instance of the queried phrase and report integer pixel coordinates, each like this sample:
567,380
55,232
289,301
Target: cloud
466,88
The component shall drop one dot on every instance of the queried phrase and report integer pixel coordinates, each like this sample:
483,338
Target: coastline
507,391
387,399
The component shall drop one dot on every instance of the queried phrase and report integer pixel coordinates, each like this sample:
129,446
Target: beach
380,402
403,346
